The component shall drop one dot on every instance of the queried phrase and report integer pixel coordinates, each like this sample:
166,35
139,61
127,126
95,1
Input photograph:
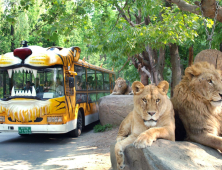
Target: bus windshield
42,83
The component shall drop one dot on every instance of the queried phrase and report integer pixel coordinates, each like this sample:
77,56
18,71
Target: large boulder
168,155
211,56
114,108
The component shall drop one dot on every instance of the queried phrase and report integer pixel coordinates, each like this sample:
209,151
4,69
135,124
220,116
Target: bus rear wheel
24,135
77,132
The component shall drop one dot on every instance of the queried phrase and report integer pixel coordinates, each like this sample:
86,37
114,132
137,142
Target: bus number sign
24,130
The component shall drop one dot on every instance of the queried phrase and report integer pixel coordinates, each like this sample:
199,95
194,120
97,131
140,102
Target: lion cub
151,118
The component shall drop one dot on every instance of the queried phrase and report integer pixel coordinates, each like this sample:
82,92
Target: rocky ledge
168,155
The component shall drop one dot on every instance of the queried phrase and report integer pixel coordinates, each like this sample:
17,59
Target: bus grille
39,119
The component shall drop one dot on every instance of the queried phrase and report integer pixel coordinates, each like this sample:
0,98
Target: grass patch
100,128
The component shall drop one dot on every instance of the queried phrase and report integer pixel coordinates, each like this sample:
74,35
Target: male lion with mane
197,101
152,118
121,87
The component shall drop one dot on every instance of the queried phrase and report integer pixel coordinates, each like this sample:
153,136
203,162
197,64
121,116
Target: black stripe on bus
70,102
61,58
61,108
59,103
67,104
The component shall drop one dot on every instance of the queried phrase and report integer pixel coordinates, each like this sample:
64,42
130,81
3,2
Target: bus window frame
96,91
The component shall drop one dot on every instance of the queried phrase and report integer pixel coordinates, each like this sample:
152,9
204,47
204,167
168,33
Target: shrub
100,128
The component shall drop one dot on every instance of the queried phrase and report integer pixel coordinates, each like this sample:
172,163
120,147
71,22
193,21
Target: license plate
24,130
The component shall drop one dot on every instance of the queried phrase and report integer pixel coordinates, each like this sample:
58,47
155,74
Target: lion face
205,82
150,101
120,84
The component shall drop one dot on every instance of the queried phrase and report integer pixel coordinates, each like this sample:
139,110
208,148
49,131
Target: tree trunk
176,70
190,56
12,40
153,59
161,63
143,78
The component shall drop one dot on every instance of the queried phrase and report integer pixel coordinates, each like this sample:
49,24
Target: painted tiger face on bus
33,81
34,56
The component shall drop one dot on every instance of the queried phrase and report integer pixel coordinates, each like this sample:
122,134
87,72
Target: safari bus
50,90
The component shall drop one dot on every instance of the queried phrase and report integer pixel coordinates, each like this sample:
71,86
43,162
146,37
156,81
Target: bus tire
24,135
77,132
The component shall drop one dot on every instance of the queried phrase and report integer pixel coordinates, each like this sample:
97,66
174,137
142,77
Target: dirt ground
93,150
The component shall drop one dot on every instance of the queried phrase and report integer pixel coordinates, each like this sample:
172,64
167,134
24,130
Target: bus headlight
2,118
54,119
59,119
49,119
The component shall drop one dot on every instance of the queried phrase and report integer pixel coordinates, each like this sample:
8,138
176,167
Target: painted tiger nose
151,113
22,53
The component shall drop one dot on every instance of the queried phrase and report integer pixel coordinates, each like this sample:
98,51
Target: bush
100,128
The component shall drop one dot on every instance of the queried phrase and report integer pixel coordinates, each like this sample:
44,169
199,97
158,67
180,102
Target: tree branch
208,7
125,17
124,64
129,13
114,25
134,62
147,73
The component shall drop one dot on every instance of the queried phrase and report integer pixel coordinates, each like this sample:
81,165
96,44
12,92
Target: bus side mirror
71,82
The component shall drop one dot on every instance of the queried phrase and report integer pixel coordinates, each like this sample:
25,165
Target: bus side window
92,98
113,81
91,83
80,79
99,78
78,83
106,81
1,85
81,98
99,95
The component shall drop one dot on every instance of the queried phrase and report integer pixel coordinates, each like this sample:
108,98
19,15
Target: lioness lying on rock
121,87
151,118
197,100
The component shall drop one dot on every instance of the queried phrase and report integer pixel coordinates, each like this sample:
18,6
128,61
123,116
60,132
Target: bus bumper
50,129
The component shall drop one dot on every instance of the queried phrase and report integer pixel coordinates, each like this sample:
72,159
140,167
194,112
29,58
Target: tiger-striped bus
50,90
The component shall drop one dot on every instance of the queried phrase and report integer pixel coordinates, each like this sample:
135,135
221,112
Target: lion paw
120,153
119,157
120,166
143,141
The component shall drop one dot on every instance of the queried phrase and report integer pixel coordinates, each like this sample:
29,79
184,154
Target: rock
211,56
114,108
168,155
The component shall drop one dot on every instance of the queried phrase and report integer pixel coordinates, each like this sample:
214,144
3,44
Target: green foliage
100,128
103,35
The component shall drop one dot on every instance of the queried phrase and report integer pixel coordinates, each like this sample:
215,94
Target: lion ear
164,86
193,70
137,87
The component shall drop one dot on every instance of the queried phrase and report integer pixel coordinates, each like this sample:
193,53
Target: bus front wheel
76,132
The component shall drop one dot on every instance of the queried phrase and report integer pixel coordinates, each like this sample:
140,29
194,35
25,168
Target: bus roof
88,65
